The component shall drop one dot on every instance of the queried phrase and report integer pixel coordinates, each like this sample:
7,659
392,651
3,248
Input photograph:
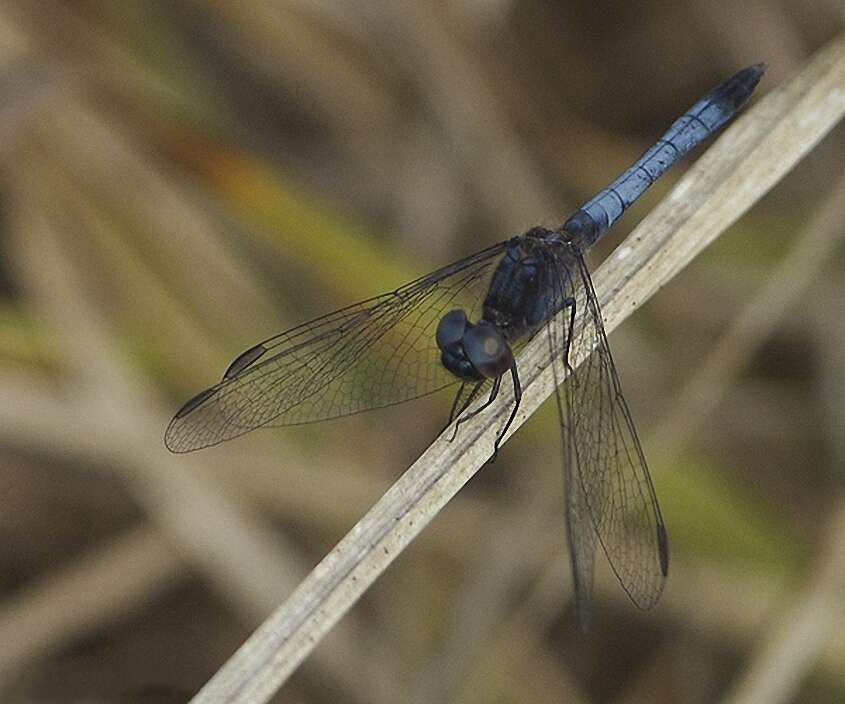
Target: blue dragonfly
462,326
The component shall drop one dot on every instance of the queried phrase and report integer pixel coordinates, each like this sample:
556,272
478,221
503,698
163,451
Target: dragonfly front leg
459,406
494,392
517,397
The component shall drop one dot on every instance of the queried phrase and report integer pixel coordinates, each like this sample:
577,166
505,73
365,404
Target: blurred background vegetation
181,180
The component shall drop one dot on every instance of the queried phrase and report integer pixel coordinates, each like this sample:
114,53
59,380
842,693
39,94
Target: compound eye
451,328
487,350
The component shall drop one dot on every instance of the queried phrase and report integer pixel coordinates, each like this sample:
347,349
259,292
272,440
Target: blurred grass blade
743,165
790,648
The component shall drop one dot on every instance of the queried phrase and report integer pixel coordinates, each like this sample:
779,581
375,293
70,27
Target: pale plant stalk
746,161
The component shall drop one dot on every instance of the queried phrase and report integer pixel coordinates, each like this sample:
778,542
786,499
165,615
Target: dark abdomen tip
739,87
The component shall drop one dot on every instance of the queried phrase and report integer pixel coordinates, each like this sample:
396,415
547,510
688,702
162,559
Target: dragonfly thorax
513,302
511,309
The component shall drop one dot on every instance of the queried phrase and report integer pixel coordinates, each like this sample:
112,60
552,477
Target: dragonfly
462,326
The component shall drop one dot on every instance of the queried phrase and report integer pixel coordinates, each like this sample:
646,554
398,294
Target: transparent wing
610,498
372,354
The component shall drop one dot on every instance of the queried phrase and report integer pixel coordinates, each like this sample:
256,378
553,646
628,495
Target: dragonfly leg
517,397
458,406
452,413
569,303
494,391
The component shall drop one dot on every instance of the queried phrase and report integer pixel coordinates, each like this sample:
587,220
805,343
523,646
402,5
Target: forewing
373,354
609,495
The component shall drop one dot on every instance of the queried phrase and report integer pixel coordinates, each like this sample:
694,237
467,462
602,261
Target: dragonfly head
472,352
